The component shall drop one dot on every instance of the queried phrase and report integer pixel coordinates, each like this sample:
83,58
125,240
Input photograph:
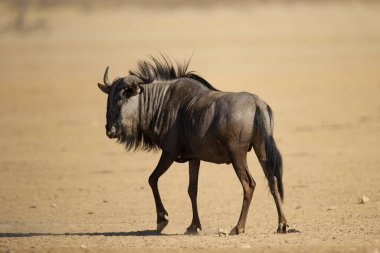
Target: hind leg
282,225
273,186
239,162
193,191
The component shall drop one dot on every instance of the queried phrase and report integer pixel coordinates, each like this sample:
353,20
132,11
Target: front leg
162,166
193,191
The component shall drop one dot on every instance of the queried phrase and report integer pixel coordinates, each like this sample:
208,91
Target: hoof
192,230
162,225
282,228
237,231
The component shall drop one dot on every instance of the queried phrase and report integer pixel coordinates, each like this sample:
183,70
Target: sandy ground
65,187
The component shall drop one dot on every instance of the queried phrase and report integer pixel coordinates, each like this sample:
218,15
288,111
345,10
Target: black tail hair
274,159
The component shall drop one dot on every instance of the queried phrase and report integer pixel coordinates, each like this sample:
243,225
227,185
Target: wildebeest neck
159,110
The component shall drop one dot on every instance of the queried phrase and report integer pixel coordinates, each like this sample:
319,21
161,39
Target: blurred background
315,62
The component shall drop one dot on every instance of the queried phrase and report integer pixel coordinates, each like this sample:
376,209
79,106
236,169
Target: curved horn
105,77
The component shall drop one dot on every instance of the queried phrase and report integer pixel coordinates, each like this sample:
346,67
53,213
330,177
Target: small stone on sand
54,205
364,199
223,232
83,246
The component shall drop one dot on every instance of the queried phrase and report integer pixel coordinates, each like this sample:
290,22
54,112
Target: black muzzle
112,132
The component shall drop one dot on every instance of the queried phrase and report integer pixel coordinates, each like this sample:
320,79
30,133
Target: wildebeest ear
104,88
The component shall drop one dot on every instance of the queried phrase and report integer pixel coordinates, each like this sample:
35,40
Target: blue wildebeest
163,107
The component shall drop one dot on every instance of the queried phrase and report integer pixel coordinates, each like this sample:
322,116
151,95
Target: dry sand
65,187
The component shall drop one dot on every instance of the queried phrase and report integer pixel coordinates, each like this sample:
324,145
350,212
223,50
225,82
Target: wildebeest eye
125,92
119,103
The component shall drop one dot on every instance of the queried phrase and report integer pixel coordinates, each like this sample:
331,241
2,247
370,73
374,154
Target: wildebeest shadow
131,233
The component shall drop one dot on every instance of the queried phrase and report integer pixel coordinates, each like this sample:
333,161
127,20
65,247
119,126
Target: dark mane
162,69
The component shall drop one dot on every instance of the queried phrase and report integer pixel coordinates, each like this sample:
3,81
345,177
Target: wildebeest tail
263,123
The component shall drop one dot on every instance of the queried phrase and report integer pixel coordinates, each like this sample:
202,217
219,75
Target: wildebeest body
203,118
191,121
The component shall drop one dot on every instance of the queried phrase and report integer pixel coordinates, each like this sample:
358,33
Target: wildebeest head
119,92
